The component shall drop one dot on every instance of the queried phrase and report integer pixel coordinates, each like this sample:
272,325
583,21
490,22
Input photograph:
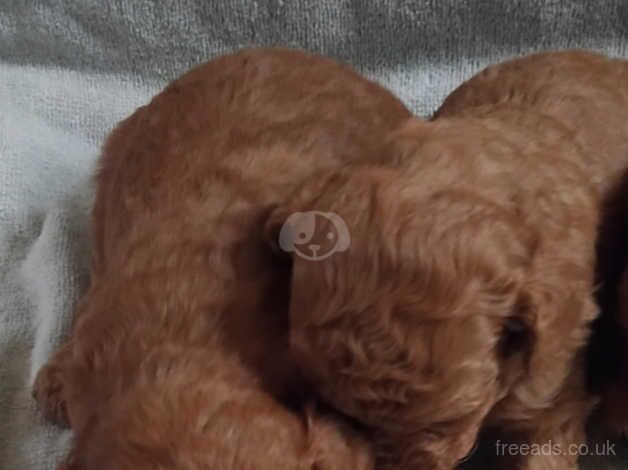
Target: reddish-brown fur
179,356
465,298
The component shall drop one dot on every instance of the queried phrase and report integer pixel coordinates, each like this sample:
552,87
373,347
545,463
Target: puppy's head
421,323
176,418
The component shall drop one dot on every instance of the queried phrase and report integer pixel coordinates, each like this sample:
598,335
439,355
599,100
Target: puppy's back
252,123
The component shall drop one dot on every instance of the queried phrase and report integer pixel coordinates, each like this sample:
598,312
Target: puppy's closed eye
516,333
514,337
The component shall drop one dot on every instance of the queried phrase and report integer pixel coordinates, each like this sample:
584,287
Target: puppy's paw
48,392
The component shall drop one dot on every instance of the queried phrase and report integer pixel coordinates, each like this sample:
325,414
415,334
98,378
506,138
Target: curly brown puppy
179,356
465,297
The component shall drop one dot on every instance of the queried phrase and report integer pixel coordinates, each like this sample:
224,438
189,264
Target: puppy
465,297
179,357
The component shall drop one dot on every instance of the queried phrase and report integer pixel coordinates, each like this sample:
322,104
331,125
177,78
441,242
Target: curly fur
179,357
466,296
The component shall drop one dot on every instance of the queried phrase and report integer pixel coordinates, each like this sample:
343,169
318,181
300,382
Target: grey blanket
69,70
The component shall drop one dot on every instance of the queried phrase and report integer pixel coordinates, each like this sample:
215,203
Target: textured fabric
69,70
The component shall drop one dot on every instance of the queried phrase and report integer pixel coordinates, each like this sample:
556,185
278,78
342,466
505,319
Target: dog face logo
314,235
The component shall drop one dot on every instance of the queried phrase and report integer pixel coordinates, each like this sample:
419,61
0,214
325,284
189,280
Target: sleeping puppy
464,298
179,355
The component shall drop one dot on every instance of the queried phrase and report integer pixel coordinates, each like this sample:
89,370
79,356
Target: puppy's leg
48,388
